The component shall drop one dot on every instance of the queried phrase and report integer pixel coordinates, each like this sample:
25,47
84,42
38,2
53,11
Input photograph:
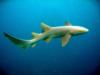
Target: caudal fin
20,42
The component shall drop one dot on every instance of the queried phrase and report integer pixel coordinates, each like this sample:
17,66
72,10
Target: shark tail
20,42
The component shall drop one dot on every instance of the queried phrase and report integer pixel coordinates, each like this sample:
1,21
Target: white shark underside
65,32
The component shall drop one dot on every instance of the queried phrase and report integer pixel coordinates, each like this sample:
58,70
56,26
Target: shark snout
85,30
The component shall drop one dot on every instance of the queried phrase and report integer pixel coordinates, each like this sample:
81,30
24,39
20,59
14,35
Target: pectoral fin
65,39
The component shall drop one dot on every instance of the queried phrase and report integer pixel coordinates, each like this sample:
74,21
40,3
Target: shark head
78,30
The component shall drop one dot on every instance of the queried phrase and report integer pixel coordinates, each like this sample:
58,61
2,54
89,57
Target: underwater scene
23,18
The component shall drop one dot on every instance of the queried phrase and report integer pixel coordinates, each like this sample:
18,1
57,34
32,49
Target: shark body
64,32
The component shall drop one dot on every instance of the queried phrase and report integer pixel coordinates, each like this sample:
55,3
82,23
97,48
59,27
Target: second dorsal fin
44,27
35,34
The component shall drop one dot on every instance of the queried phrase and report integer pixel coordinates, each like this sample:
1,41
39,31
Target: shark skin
64,32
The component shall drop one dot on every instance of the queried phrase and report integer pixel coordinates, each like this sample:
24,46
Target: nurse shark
64,32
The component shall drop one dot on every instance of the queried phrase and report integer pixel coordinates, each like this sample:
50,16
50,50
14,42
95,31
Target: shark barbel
64,32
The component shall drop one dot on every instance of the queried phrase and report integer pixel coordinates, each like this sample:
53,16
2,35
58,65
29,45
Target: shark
64,32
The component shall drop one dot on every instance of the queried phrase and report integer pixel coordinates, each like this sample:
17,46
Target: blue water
21,17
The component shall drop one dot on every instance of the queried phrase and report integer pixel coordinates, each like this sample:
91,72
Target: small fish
64,32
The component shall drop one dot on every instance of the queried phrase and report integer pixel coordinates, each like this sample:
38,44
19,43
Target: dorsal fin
68,24
44,27
35,34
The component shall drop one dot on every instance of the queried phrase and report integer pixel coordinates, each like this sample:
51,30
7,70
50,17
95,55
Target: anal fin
48,39
34,45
